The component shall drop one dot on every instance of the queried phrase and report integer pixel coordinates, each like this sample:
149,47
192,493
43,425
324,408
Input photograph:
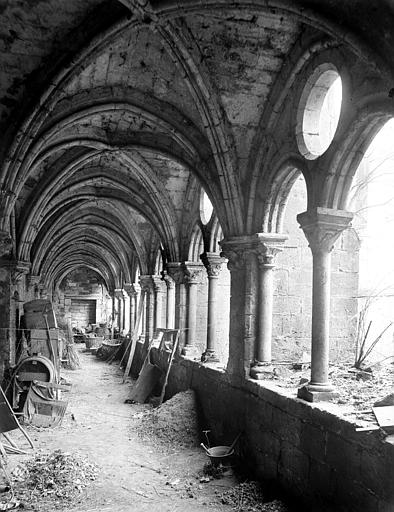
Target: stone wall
82,284
293,289
309,450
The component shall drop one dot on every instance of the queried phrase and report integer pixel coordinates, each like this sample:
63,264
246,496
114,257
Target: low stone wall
306,449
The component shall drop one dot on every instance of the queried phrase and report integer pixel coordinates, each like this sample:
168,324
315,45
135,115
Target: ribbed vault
117,115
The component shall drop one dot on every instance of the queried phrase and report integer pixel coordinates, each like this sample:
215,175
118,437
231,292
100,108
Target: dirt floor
134,472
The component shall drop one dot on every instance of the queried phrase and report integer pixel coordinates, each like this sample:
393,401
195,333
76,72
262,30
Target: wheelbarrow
220,454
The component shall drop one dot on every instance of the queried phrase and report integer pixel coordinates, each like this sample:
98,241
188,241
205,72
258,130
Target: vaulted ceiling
114,114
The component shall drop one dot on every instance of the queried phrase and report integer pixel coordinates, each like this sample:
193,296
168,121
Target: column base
317,393
261,371
209,356
190,351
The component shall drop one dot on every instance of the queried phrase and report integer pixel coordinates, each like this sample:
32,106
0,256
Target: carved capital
146,283
238,250
176,271
20,269
213,262
120,293
129,289
268,246
193,272
33,280
323,226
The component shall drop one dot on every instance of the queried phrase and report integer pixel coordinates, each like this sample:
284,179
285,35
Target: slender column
120,294
159,287
268,246
170,312
118,308
177,273
193,273
147,286
322,227
213,263
131,292
137,298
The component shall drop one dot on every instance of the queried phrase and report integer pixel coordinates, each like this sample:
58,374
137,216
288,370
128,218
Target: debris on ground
57,476
359,388
250,497
174,423
211,471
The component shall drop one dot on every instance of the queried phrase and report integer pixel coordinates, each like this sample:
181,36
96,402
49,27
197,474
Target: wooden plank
29,376
174,347
385,416
145,383
9,413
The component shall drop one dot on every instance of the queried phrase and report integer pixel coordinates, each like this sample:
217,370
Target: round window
319,111
206,207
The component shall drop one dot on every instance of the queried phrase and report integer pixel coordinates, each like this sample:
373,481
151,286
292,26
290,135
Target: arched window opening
371,199
196,247
216,236
206,207
319,111
159,262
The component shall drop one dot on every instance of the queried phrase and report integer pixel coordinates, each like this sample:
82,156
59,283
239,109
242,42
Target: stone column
160,290
146,283
11,271
132,293
113,314
137,299
322,227
213,262
177,274
170,312
242,264
120,294
268,246
193,275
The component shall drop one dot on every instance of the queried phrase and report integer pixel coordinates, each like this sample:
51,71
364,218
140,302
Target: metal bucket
220,454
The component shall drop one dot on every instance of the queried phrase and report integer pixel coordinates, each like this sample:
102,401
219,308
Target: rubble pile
174,423
359,388
58,475
250,497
